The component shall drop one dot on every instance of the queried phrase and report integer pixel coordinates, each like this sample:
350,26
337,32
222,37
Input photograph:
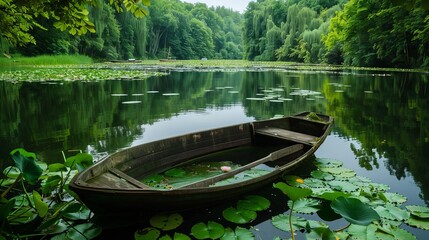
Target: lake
381,118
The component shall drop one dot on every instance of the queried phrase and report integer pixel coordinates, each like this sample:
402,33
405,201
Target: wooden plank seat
288,135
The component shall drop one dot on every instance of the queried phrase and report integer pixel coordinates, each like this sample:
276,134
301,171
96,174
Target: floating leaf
418,211
11,172
320,233
50,184
166,222
343,186
354,211
330,196
314,183
422,223
395,198
239,215
254,203
363,232
293,180
392,212
339,171
293,193
131,102
305,205
181,236
327,213
22,216
239,234
147,234
326,162
212,230
282,222
322,175
57,167
77,211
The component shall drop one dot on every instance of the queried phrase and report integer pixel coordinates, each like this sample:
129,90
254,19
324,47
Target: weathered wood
288,135
272,157
129,179
110,181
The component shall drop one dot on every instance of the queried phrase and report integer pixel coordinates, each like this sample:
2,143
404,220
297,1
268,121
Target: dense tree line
172,29
354,32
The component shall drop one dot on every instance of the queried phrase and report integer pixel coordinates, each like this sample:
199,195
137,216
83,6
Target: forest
366,33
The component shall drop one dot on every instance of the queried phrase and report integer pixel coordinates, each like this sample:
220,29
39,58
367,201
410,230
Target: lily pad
239,234
239,215
343,186
282,222
395,198
363,232
253,203
327,162
418,211
147,234
354,211
305,205
166,222
339,171
26,163
322,175
131,102
211,230
392,212
422,223
84,231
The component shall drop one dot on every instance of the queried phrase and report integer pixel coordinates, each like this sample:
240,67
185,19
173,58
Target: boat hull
113,185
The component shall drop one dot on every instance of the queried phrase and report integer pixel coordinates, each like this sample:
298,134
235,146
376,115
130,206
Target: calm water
381,119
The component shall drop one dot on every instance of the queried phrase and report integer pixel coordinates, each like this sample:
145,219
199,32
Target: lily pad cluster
49,209
73,74
278,95
334,192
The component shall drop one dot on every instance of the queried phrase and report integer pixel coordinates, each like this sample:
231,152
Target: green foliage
42,214
211,230
166,222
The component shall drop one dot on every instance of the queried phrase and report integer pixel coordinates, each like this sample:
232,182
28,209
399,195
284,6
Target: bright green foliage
211,230
239,215
354,211
166,222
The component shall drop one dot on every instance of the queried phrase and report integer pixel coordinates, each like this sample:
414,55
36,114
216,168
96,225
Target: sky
237,5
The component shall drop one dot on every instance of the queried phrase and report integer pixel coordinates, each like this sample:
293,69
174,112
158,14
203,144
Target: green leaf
326,162
147,234
166,222
76,211
282,222
343,186
305,205
165,237
418,211
363,232
84,231
395,198
11,172
422,223
320,233
6,207
392,212
239,234
41,207
339,172
330,196
321,175
181,236
254,203
239,216
79,160
293,193
50,184
212,230
175,172
354,211
22,216
25,162
57,167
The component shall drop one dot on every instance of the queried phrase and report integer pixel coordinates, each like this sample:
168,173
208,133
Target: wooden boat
255,154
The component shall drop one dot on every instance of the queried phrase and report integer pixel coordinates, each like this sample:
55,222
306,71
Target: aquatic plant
35,200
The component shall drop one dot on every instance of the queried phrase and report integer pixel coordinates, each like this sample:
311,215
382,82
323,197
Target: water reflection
383,118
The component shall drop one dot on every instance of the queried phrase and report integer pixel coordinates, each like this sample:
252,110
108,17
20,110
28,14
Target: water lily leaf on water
395,198
326,162
166,222
314,183
343,186
147,234
181,236
305,205
320,233
293,193
330,196
418,211
322,175
165,237
293,180
50,184
326,213
131,102
392,212
239,215
422,223
339,171
211,230
175,172
354,211
363,232
77,211
239,234
41,207
282,222
84,231
254,203
118,94
26,163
